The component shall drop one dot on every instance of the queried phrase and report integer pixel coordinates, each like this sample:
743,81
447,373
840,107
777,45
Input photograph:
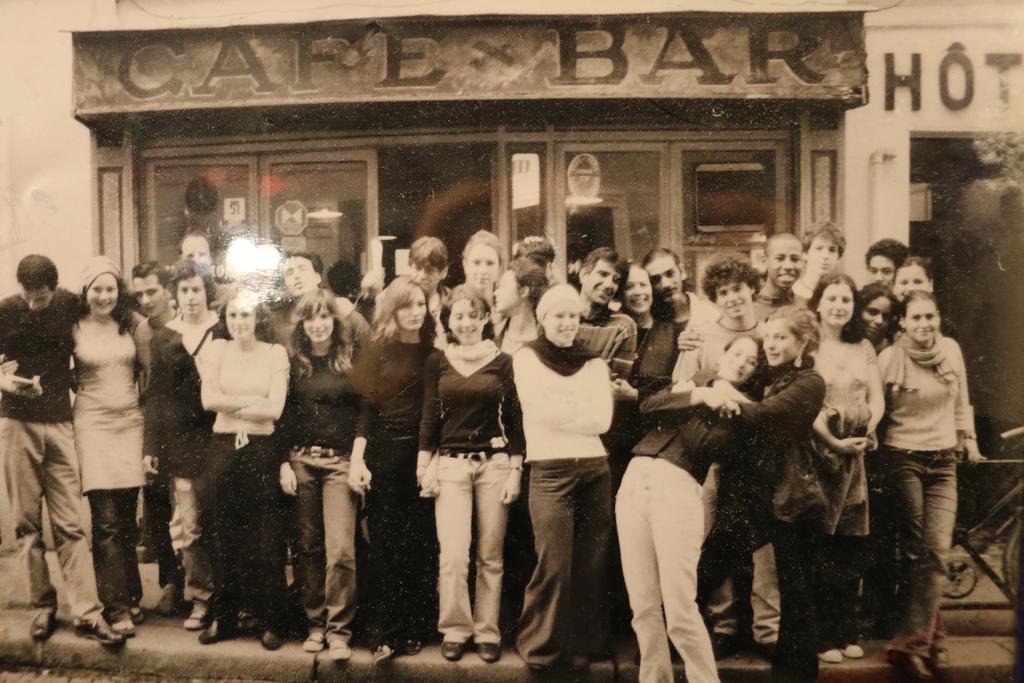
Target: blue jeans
923,484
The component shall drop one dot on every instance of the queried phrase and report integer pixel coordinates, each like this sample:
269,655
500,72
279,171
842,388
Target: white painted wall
877,142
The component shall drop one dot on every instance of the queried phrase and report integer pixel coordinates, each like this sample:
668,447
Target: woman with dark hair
930,419
472,435
318,428
515,299
638,297
878,314
403,555
245,382
111,353
567,404
844,429
177,429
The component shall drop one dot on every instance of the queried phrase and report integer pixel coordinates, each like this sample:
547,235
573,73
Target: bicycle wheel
1011,560
960,580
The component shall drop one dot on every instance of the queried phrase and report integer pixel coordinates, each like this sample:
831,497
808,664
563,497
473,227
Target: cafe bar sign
799,56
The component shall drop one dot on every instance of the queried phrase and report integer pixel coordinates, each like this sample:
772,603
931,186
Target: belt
318,452
475,456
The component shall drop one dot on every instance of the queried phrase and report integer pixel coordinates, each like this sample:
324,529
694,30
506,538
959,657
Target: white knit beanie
559,294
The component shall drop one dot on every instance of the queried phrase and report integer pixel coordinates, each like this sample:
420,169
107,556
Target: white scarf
468,359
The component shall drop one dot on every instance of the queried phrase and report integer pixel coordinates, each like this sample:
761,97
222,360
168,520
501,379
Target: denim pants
40,463
195,555
326,509
565,610
924,486
471,490
114,536
660,519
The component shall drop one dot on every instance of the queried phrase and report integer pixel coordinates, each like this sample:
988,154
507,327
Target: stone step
163,648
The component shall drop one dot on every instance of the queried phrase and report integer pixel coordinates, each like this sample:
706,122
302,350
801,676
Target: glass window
320,207
528,193
203,198
612,199
728,196
442,190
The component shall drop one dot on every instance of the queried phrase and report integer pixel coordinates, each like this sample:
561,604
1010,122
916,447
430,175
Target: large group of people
772,447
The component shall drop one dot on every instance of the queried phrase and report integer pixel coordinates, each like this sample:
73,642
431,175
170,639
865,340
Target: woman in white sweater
566,398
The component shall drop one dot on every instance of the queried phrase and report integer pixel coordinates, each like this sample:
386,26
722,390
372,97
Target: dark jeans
156,521
403,547
238,494
837,579
924,483
565,610
114,535
796,653
884,579
326,509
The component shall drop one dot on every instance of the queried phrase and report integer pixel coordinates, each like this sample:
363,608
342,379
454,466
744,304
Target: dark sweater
322,409
177,428
465,413
42,344
390,378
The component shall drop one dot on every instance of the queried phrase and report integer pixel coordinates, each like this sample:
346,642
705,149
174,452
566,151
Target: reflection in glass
733,197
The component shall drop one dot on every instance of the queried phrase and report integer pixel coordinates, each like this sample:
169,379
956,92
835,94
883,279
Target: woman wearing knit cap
566,398
930,419
111,360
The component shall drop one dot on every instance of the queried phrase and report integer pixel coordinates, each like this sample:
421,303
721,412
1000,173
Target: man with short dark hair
883,259
784,261
195,247
302,272
149,284
610,334
38,446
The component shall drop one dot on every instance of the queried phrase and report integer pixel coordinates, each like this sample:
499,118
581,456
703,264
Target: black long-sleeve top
464,413
176,427
322,409
390,378
42,344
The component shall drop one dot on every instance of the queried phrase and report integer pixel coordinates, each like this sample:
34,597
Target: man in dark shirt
38,446
149,284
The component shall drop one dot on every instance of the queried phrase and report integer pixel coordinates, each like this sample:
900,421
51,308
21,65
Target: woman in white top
111,357
245,381
566,399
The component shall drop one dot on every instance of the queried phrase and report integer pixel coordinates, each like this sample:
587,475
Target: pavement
981,646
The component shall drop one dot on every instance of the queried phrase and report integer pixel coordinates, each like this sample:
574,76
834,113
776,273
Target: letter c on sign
128,58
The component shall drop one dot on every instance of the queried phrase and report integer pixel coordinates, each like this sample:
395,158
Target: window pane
613,199
733,197
319,206
197,198
438,190
528,212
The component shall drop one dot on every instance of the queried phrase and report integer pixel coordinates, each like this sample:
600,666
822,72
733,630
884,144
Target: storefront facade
704,132
931,161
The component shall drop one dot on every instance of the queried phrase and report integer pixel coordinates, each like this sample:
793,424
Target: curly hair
396,296
342,342
894,250
186,270
727,270
531,274
479,304
853,330
536,248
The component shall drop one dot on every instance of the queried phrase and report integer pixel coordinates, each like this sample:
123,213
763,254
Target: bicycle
996,524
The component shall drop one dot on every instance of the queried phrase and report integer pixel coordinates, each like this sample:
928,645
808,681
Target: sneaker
382,654
199,617
833,656
100,632
853,651
124,627
339,651
43,625
314,643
